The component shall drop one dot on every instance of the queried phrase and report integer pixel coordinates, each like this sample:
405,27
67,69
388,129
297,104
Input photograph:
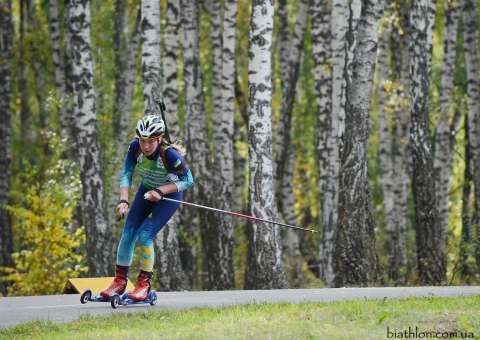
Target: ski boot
143,286
118,285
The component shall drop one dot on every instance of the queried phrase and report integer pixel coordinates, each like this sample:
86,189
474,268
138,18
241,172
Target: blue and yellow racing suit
147,218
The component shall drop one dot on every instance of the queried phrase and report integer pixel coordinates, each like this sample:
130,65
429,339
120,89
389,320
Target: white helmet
150,127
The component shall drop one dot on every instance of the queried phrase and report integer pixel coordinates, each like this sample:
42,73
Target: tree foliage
49,245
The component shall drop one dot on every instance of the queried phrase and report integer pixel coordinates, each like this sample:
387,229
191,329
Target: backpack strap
162,154
139,151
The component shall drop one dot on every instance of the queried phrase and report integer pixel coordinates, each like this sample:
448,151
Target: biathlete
164,173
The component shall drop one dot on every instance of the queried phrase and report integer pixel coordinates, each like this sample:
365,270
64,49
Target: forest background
43,214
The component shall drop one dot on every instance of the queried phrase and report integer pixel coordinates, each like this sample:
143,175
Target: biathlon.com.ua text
415,333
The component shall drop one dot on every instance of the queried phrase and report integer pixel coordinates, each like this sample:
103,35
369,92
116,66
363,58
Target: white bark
196,138
152,73
170,67
430,257
124,83
385,144
100,246
216,54
355,259
283,165
64,115
170,273
321,37
330,204
400,143
443,150
265,268
226,278
283,40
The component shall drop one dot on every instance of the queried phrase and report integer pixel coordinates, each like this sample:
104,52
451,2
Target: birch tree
64,110
283,165
470,37
355,255
430,256
100,241
170,66
196,131
466,244
265,268
126,54
385,152
330,196
6,43
443,146
399,42
151,67
320,14
225,277
214,8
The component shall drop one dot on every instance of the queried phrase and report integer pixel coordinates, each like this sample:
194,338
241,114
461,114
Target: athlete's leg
139,211
162,212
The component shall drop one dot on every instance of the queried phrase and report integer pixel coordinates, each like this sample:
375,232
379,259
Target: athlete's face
149,145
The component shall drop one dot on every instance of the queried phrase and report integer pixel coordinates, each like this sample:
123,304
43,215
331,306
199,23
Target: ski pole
234,214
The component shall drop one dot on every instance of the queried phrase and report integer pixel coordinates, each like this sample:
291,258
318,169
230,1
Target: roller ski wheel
86,296
115,301
153,298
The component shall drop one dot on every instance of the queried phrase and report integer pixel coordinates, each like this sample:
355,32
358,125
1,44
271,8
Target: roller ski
117,300
115,293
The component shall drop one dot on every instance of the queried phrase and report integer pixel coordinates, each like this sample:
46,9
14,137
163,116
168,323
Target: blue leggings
144,221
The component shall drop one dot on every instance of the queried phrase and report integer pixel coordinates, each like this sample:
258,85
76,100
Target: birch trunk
320,13
225,273
215,11
467,231
430,258
196,131
283,40
187,225
25,114
400,140
171,276
284,129
126,69
265,268
64,114
330,199
470,37
355,256
443,148
100,240
170,74
6,43
151,68
37,66
385,146
283,165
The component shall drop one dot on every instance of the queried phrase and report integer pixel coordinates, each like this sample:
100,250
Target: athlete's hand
122,208
154,195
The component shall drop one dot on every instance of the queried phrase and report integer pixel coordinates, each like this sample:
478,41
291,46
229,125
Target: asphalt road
63,308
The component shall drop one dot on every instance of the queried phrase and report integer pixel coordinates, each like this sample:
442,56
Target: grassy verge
409,318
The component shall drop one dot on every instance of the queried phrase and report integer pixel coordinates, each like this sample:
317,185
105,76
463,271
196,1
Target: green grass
355,319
